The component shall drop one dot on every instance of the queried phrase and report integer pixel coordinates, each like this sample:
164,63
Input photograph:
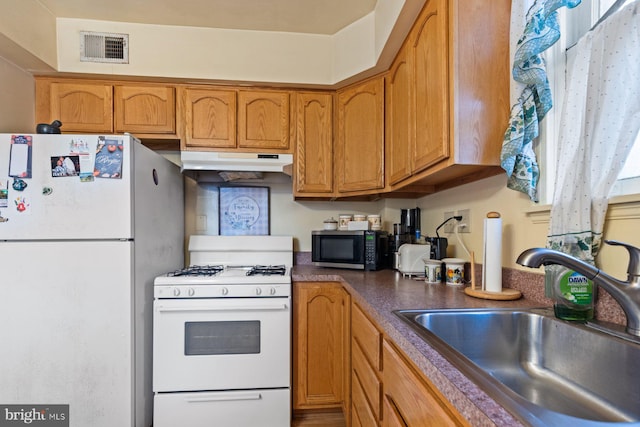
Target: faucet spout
626,293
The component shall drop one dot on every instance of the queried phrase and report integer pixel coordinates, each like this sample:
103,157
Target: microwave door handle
224,397
223,308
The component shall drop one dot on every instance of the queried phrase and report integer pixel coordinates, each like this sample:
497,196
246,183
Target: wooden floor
318,419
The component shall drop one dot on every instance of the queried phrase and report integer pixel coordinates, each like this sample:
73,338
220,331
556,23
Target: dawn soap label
576,288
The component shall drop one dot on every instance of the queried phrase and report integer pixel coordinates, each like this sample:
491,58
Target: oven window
225,337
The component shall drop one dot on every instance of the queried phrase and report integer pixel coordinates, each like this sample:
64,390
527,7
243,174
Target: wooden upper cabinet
360,137
81,107
145,109
429,50
210,118
263,120
399,118
314,143
459,74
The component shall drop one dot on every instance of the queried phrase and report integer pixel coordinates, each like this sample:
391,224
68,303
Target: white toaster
410,258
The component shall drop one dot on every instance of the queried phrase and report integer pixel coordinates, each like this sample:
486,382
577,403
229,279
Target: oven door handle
278,307
224,397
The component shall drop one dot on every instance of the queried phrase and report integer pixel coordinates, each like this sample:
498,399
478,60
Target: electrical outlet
448,227
466,220
201,223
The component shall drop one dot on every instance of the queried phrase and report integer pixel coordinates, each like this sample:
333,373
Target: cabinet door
409,400
320,324
360,139
145,109
210,118
82,107
429,43
314,143
263,120
399,118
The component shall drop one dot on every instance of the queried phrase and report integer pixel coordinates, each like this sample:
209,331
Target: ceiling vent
104,47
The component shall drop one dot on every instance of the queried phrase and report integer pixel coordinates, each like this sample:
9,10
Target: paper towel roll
492,257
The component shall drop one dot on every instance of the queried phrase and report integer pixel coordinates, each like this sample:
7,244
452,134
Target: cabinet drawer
412,399
361,414
367,378
367,335
391,416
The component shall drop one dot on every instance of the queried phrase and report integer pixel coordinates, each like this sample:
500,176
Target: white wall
17,99
288,217
30,27
203,53
239,55
525,225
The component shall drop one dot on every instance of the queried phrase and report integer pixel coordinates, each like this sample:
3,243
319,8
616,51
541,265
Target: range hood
236,162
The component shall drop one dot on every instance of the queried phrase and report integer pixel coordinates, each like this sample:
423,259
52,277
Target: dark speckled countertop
381,292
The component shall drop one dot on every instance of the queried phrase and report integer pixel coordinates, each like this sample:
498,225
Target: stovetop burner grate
267,270
199,270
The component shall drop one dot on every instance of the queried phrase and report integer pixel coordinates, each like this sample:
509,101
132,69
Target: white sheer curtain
600,119
534,28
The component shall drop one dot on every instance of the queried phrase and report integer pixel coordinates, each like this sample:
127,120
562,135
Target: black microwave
357,249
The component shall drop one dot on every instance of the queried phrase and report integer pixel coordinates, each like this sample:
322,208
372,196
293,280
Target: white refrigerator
86,223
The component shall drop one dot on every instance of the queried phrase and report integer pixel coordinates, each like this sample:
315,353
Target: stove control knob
258,291
176,292
272,291
225,291
191,292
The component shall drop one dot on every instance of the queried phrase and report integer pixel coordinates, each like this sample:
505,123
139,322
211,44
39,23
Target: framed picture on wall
244,211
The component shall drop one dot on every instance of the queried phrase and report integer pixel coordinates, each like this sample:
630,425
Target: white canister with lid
343,221
375,222
330,224
454,271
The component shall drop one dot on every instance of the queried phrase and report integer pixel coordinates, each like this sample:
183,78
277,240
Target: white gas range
222,334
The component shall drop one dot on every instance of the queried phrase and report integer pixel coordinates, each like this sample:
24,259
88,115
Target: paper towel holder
505,294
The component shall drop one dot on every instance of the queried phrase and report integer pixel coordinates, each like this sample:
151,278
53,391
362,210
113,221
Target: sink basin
544,370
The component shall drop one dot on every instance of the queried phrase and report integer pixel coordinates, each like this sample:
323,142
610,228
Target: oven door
221,344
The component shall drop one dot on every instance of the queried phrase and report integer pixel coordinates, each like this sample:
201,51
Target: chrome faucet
627,294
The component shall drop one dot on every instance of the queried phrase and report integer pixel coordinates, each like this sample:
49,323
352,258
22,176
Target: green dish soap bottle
573,295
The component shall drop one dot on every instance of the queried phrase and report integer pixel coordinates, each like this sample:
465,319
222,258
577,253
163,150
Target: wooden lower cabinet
320,346
409,399
343,361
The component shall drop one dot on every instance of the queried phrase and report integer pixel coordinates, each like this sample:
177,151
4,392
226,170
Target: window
573,24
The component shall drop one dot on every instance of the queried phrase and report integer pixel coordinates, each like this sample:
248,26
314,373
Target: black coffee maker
438,247
410,223
404,232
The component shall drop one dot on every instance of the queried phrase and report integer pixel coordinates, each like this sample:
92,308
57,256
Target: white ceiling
298,16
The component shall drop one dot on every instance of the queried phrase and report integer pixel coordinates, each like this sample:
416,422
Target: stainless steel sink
544,370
